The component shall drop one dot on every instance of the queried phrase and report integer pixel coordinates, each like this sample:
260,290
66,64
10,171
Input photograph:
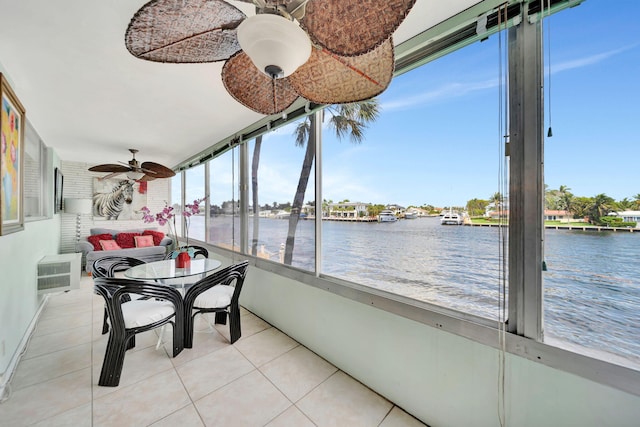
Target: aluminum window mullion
183,190
526,186
318,197
244,198
207,201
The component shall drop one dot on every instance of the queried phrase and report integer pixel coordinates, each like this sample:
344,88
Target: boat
410,215
387,216
451,218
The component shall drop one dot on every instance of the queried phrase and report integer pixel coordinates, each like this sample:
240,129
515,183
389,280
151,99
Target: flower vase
183,260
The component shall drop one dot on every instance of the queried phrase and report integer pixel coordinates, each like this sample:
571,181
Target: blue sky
438,136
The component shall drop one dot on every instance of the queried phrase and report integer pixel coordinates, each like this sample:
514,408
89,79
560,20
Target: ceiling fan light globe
273,41
134,175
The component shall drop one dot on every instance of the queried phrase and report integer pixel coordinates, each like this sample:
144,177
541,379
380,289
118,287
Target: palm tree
345,119
601,206
625,204
636,200
580,206
496,199
565,198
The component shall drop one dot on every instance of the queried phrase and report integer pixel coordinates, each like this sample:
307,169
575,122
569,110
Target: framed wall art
117,199
12,120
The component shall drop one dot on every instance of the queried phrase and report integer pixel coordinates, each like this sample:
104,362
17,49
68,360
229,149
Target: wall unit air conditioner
58,273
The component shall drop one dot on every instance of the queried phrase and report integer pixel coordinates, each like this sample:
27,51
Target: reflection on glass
176,202
195,190
224,219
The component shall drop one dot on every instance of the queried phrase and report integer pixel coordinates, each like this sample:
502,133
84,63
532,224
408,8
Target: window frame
46,176
524,335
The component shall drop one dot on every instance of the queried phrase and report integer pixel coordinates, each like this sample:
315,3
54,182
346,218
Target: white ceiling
91,100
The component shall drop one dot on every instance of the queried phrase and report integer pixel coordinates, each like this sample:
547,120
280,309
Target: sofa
109,242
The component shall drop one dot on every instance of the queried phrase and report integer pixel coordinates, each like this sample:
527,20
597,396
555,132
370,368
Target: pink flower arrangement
167,216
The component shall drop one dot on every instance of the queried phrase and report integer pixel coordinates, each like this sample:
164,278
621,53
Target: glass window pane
176,201
195,192
592,282
281,228
417,158
224,213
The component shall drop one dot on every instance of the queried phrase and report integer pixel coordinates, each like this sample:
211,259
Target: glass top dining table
166,269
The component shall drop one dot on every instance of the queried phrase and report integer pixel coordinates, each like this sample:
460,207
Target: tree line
596,208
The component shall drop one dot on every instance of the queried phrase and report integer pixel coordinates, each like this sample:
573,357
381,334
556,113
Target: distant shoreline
567,227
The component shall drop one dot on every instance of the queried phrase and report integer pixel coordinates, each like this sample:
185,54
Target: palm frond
302,132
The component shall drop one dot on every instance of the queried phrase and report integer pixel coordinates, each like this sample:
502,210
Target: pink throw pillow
95,240
144,241
157,236
109,245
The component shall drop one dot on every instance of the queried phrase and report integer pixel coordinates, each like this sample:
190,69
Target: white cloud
588,60
447,91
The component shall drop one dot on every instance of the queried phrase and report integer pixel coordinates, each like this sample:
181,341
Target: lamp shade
78,206
276,45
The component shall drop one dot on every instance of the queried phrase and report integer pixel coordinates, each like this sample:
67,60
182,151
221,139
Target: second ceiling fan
147,171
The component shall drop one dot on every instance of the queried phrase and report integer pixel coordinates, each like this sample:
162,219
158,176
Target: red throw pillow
95,240
143,241
157,236
109,245
126,240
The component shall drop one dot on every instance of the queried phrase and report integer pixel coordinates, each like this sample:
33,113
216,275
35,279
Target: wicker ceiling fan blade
110,168
156,170
184,31
332,79
353,27
146,178
254,89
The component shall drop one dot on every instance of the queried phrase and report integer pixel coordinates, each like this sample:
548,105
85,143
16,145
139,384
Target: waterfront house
557,215
358,354
549,215
348,209
628,216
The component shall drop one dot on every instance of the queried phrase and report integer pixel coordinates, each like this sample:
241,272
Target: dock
569,227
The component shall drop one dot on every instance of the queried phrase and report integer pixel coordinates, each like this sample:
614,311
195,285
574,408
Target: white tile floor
265,379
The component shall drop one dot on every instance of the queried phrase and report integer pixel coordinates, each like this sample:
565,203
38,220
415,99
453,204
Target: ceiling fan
146,171
339,51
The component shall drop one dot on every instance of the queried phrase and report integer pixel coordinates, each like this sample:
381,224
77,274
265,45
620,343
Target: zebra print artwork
114,199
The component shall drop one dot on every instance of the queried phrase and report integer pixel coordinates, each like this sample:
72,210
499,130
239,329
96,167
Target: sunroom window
592,282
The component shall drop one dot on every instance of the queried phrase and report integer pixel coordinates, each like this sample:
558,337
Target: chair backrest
115,292
197,250
107,266
233,275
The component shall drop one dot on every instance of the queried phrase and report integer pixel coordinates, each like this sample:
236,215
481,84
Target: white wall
78,183
20,253
441,378
19,256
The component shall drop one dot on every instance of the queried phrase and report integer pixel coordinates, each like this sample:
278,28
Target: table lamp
78,207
